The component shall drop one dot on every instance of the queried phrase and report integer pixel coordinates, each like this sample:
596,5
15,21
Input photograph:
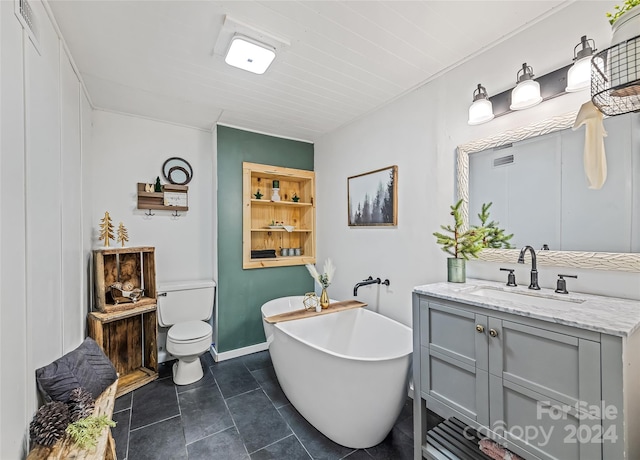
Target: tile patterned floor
237,411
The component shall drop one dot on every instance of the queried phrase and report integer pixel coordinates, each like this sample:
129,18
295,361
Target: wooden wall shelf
156,200
258,214
278,203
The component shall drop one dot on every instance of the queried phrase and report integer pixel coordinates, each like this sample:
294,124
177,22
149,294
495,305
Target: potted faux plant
624,54
323,279
625,21
460,244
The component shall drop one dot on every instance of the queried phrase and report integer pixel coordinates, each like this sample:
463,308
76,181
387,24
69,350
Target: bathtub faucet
369,280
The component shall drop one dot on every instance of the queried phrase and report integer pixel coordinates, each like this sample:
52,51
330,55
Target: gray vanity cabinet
454,360
526,380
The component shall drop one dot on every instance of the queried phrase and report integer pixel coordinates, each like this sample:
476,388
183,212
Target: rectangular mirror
534,176
540,192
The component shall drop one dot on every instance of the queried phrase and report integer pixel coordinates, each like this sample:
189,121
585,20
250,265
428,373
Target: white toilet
185,307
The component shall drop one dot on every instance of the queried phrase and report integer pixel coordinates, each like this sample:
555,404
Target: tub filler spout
366,282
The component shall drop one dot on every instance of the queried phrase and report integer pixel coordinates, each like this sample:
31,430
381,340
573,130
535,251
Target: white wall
14,390
128,150
419,133
41,274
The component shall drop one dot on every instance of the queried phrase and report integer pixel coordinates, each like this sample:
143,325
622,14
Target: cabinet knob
480,328
493,333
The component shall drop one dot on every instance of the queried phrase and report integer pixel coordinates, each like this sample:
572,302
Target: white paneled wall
128,150
43,191
13,326
86,114
44,136
72,300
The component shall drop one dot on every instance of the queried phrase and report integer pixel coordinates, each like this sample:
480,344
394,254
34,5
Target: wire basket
615,78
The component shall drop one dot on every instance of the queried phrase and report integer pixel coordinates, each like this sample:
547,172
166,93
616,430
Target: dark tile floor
237,411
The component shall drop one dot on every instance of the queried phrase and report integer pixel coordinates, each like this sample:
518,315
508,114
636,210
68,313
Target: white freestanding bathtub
345,372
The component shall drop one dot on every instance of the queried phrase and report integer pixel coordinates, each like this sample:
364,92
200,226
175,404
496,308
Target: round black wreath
185,168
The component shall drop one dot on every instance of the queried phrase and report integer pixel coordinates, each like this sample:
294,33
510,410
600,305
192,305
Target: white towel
595,160
288,228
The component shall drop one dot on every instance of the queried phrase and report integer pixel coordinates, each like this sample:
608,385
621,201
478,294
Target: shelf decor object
123,234
177,171
269,226
323,279
106,229
373,198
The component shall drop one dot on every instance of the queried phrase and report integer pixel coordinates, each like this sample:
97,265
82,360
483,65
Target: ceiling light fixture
248,54
526,94
481,111
579,75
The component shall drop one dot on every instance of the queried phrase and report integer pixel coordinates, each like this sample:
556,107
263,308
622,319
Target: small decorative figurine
148,187
106,229
123,235
258,195
275,196
295,198
312,302
158,187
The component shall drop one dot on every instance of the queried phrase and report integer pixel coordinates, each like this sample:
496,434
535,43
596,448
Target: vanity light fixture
579,75
481,110
248,54
526,94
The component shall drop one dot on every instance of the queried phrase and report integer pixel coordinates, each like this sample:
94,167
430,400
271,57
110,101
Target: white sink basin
522,297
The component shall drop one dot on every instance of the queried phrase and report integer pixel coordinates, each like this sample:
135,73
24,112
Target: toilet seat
189,331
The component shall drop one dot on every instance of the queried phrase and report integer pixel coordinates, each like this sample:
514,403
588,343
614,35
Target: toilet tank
185,301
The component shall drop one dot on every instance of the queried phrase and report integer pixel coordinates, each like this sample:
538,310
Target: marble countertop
609,315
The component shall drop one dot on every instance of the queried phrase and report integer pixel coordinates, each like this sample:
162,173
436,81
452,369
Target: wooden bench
66,449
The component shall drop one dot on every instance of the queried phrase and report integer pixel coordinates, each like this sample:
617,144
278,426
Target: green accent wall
241,293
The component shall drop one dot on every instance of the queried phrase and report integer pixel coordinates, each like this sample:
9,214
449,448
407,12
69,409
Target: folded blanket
496,451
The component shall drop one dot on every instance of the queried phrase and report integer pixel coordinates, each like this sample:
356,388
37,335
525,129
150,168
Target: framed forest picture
373,199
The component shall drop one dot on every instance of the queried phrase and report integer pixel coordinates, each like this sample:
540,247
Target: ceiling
336,60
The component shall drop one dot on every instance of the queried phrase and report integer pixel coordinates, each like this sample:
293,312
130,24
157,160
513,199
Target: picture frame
372,198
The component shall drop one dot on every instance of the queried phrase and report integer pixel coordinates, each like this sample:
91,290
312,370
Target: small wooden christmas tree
460,244
494,236
123,235
106,229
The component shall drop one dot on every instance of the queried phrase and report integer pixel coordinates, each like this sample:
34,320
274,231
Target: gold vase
324,298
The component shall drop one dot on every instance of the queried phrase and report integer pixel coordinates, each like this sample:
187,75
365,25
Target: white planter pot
624,57
628,26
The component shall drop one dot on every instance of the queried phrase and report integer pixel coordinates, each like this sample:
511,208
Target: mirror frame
628,262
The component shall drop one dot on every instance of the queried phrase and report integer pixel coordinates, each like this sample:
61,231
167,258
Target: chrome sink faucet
534,266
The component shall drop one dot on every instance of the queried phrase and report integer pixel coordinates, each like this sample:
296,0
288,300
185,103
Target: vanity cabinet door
540,384
559,366
454,360
545,427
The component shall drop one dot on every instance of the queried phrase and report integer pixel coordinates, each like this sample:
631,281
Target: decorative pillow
87,366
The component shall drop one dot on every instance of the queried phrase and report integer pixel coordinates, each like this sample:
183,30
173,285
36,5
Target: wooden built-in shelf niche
172,198
258,214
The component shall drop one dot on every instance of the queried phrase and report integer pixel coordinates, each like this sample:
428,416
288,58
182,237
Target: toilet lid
190,330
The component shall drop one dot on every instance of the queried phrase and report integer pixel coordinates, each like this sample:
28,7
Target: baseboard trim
217,357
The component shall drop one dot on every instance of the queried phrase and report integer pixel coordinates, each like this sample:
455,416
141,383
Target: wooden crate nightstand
135,265
126,331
